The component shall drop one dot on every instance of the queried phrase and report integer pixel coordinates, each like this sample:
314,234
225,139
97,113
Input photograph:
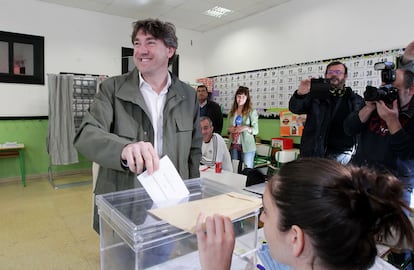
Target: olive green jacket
248,141
119,116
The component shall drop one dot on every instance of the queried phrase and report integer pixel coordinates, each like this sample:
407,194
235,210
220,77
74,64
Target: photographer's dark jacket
382,150
320,116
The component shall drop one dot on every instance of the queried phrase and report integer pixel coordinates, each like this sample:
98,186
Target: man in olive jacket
138,117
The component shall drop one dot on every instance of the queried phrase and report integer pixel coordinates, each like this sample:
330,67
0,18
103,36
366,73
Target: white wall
306,30
76,41
295,32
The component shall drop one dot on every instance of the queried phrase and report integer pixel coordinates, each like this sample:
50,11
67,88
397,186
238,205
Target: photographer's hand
390,115
304,87
366,111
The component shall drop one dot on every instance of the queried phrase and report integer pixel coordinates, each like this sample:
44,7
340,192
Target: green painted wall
268,129
33,134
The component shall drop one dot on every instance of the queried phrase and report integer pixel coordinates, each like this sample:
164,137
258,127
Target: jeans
247,158
342,158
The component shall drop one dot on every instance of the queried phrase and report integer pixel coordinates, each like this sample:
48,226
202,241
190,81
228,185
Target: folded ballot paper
184,216
166,185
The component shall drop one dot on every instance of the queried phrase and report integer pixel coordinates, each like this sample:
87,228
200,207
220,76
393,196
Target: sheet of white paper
258,189
165,183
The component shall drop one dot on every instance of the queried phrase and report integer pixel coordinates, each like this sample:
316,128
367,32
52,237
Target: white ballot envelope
164,184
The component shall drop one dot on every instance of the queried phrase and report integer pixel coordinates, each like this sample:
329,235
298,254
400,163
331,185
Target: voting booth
131,237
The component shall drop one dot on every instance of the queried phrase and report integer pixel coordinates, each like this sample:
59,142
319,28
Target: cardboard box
131,238
282,143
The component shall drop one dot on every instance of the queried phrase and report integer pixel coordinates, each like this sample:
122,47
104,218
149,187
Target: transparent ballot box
132,238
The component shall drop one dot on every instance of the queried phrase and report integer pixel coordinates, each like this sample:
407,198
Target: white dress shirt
155,104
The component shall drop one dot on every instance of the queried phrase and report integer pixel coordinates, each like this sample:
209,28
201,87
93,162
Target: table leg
22,171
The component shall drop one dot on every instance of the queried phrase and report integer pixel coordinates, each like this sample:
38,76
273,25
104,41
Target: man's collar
212,135
142,81
204,103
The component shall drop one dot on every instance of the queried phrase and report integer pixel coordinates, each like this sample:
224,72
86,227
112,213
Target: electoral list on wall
272,88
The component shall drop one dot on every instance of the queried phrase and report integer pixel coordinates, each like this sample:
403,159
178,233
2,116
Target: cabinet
84,89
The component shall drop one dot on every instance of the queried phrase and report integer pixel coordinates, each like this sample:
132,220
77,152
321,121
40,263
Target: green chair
263,157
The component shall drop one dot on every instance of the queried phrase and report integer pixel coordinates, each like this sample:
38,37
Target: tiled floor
44,228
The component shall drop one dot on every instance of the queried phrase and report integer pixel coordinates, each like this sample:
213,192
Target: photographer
323,134
407,60
386,131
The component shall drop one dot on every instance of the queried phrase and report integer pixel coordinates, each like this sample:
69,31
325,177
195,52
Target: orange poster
207,82
291,124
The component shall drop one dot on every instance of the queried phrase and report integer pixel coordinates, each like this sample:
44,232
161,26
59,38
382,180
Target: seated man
214,149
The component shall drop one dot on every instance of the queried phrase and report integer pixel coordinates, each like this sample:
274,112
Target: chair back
263,150
284,156
263,156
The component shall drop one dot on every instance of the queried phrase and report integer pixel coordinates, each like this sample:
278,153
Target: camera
387,92
320,88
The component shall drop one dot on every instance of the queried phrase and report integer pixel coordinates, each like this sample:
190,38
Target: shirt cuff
124,164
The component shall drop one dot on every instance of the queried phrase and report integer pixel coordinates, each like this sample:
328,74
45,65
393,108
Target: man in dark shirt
210,108
323,134
387,132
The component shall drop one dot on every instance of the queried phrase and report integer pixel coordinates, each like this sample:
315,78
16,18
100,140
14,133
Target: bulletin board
271,88
291,124
208,82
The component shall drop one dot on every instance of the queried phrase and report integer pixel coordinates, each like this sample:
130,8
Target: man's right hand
141,154
304,86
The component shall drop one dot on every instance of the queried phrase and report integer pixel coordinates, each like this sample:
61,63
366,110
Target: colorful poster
207,82
291,124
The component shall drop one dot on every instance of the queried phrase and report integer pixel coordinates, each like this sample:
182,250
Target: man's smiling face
150,54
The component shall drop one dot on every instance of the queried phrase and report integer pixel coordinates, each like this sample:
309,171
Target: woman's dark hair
342,209
247,108
164,31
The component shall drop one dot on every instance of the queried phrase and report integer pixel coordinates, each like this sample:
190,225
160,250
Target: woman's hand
215,242
232,129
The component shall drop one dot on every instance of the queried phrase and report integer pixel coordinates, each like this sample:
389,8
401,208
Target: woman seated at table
317,214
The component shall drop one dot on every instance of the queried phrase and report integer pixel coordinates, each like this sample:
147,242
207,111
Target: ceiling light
217,12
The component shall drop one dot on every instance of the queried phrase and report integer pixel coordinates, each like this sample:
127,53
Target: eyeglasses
336,72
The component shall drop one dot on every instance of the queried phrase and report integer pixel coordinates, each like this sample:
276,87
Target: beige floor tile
46,228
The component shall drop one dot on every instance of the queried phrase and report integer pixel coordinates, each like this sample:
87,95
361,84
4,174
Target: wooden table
12,151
